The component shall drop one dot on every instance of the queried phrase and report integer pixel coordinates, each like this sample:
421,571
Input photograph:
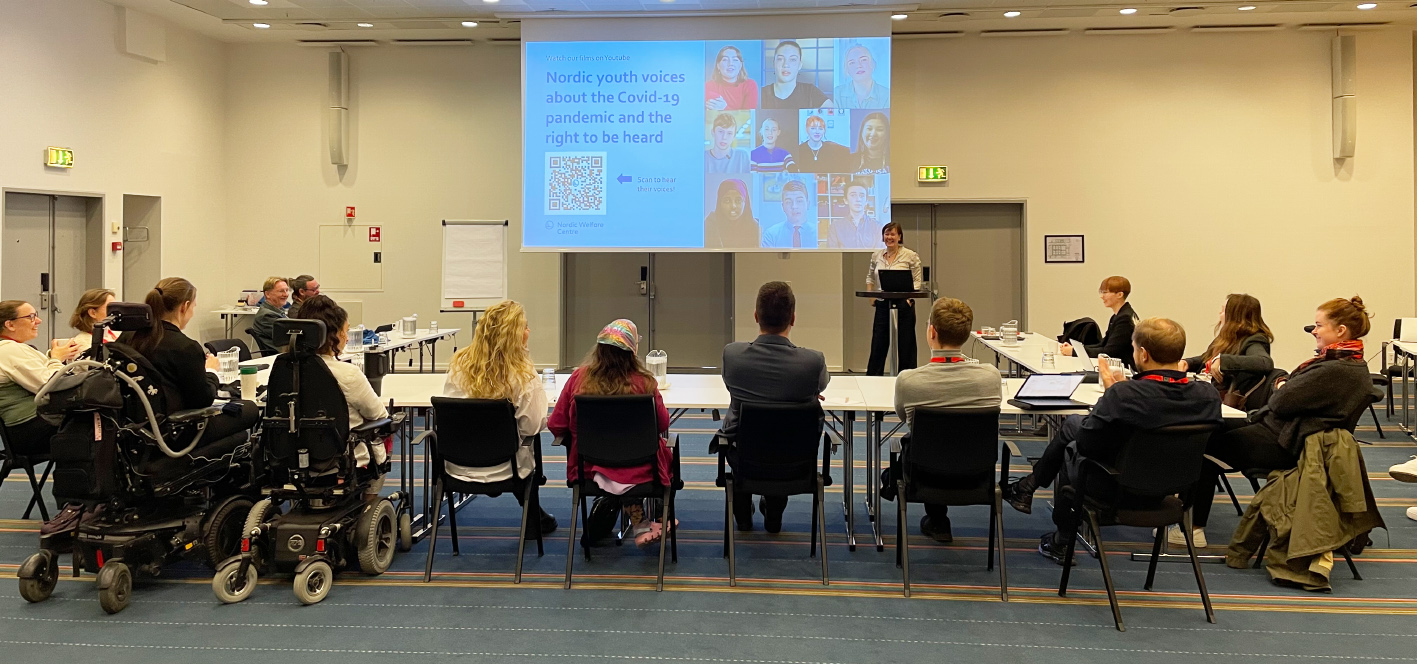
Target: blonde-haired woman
497,365
92,308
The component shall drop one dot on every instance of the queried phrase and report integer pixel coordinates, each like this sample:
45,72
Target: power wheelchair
142,505
307,450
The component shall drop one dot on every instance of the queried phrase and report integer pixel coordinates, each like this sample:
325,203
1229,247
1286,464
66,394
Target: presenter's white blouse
904,259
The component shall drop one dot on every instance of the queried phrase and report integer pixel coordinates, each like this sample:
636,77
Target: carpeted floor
780,612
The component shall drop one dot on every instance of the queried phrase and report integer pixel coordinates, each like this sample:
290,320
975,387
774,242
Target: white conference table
1404,356
229,316
1027,354
429,338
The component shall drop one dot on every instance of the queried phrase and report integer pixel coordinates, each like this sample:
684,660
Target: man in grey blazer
769,369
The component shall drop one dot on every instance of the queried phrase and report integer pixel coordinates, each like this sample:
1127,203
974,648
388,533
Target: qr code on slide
575,183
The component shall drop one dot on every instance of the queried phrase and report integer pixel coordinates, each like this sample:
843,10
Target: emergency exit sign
931,174
58,157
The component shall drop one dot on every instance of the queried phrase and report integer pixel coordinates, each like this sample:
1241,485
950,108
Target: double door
48,259
682,304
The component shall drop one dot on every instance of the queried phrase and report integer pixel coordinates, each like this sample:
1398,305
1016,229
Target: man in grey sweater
949,380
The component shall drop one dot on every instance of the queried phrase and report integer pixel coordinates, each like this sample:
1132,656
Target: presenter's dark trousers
881,338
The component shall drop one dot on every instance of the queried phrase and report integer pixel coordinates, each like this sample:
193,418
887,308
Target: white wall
136,127
1196,165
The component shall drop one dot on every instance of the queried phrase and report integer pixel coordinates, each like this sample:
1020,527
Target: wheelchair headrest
129,316
310,334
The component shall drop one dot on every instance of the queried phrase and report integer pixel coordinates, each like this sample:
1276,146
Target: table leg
876,495
848,476
895,340
1406,406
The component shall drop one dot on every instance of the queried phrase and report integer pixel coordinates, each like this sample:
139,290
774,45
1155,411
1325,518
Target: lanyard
1165,379
947,360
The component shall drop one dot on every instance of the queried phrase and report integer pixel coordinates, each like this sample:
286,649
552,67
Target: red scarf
1351,349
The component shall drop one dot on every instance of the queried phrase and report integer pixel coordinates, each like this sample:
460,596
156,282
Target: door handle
44,302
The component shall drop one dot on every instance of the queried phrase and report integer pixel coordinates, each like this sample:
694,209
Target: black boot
1019,493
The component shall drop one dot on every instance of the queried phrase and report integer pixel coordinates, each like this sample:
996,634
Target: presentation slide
751,145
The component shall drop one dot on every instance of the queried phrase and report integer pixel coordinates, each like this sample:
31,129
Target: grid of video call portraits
798,157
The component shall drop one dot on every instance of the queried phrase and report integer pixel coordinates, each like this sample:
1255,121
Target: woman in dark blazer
1238,358
1117,342
1325,392
182,363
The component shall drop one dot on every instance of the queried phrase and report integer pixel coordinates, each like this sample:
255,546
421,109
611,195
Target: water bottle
548,378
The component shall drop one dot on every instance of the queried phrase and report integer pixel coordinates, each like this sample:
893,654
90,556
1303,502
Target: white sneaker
1412,513
1174,537
1405,471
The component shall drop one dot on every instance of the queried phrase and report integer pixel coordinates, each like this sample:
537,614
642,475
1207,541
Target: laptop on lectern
1049,392
896,281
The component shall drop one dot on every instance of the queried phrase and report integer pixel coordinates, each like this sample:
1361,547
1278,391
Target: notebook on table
1049,392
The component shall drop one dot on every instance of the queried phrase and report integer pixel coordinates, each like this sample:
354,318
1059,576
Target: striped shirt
776,160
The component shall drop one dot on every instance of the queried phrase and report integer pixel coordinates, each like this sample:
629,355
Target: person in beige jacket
23,371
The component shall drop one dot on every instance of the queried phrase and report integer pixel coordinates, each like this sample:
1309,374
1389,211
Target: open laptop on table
896,281
1080,350
1049,392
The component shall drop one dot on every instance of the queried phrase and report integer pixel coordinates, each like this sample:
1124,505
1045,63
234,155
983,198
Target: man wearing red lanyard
1159,396
950,380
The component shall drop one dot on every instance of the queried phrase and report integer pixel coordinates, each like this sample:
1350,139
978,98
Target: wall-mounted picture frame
1063,249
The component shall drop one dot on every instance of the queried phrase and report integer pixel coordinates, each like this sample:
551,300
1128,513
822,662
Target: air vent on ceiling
938,34
1185,11
1036,32
432,42
954,16
1082,12
311,25
1129,31
337,42
1344,26
504,41
1258,27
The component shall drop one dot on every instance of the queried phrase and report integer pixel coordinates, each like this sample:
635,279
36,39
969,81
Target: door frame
103,212
1022,202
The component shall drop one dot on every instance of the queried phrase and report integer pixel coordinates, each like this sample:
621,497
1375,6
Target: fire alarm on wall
118,246
349,212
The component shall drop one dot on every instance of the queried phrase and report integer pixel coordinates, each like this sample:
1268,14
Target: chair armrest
558,441
827,459
715,446
1007,452
380,427
1012,447
1100,466
185,416
417,440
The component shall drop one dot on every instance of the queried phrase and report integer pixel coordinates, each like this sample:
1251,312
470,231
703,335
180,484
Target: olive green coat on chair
1309,512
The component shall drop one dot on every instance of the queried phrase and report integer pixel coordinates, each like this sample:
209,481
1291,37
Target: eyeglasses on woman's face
32,318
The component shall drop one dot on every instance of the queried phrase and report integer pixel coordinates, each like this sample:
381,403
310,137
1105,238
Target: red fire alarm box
373,233
118,246
349,212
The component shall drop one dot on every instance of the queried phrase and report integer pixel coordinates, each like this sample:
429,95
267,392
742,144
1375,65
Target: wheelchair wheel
221,536
375,538
312,584
38,576
405,532
229,586
260,513
115,586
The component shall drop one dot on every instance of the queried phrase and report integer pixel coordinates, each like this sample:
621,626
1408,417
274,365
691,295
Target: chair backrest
129,316
1163,461
1404,329
617,430
128,360
1350,423
221,345
778,439
304,334
476,433
954,442
303,391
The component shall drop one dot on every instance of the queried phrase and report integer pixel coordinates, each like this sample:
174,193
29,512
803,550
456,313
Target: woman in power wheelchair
151,483
325,461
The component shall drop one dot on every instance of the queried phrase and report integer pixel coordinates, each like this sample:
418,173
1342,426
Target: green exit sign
932,174
58,157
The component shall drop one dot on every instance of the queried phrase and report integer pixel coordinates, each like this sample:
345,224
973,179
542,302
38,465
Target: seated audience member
731,224
818,155
363,404
271,310
497,365
187,372
798,230
786,91
1117,341
613,367
92,308
1322,393
1238,358
23,371
769,369
302,288
1158,396
950,380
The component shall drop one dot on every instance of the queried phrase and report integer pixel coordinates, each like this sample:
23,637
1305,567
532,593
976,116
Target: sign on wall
58,157
1062,249
931,174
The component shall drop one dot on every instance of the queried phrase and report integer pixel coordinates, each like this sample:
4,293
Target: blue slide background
633,218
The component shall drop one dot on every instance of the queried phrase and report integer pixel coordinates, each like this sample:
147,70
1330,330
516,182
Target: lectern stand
896,300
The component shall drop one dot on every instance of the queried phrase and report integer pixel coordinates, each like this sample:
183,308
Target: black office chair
621,431
948,459
480,433
9,461
221,345
774,453
1153,471
261,351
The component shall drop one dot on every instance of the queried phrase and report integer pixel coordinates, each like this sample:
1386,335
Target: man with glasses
302,288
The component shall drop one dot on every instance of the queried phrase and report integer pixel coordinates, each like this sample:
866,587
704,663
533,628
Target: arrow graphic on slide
624,178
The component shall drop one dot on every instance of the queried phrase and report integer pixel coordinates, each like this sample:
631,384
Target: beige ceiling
395,20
